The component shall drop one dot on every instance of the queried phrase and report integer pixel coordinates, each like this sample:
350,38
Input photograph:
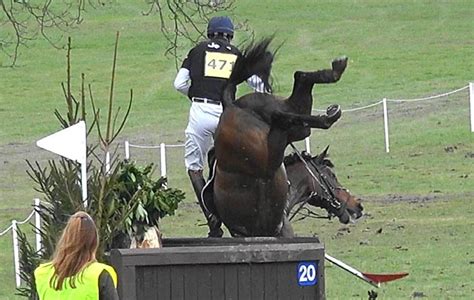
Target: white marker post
471,104
70,143
16,253
385,125
37,225
308,145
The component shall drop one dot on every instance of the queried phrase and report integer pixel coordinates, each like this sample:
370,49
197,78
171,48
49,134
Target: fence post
16,254
37,224
308,146
127,150
163,159
471,101
107,162
385,125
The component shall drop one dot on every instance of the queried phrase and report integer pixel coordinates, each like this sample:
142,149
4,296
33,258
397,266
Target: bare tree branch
26,20
184,22
181,21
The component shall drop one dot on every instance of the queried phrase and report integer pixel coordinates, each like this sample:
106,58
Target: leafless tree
25,20
181,21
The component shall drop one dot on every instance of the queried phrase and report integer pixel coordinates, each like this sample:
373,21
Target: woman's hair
75,250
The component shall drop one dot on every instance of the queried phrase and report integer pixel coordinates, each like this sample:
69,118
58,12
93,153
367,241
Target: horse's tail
256,59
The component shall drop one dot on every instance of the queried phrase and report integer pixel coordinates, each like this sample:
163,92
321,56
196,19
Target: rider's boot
213,221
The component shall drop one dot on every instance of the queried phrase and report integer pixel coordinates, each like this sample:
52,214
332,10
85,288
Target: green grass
397,49
431,241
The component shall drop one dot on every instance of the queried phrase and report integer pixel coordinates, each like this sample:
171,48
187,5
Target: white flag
69,142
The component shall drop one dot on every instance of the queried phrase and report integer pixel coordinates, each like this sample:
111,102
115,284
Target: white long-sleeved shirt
182,82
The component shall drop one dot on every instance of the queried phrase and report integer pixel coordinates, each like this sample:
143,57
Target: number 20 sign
307,273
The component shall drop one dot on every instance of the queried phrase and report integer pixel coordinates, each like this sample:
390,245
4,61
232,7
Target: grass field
420,194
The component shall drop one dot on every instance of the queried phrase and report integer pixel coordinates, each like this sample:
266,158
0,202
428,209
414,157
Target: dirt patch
395,198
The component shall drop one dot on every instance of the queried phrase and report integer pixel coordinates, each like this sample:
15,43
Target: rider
202,77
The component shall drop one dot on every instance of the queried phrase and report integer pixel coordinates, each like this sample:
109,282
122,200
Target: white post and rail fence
384,102
14,228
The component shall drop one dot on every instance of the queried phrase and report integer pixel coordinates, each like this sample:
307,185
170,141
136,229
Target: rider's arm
256,83
181,82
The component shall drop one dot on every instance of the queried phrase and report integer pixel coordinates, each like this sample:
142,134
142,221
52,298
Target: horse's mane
256,59
328,162
293,158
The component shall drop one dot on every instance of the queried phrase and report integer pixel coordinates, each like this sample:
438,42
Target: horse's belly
253,203
242,143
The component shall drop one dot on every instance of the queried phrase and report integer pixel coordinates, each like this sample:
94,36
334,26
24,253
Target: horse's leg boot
213,221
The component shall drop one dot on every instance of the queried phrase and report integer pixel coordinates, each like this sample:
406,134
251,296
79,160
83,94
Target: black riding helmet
220,25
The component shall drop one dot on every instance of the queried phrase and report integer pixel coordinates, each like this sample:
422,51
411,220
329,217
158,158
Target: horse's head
313,181
350,207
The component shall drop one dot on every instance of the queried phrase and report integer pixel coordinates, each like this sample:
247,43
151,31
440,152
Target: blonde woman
74,272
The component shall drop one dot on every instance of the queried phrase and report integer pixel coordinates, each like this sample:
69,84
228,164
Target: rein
331,199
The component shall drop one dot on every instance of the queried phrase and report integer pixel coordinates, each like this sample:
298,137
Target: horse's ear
325,152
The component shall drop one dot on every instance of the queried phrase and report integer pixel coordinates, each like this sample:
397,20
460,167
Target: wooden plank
196,242
321,278
218,282
286,285
191,280
127,283
243,280
163,283
204,282
223,254
141,282
230,284
177,282
270,280
257,282
146,283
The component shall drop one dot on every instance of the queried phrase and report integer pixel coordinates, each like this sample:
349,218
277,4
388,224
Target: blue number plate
307,273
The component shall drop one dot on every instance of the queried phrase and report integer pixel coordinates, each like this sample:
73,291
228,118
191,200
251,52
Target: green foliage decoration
124,200
153,200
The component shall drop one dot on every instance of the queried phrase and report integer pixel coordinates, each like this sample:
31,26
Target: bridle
328,196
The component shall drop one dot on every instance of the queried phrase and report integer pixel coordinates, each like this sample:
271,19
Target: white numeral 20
307,273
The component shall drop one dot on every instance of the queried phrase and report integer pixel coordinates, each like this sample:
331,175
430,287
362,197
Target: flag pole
84,183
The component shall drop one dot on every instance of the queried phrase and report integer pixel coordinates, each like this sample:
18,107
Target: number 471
218,64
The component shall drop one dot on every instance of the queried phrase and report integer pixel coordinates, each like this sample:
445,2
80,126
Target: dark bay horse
250,185
315,183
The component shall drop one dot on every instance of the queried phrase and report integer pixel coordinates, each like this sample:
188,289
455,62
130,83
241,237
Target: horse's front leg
286,229
287,119
327,75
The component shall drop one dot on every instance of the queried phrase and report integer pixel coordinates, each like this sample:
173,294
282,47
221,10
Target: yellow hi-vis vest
87,283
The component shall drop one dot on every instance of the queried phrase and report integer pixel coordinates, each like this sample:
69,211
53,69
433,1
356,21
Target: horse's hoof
339,64
333,110
215,233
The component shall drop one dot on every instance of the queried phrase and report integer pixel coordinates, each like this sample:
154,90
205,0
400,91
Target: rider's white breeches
203,120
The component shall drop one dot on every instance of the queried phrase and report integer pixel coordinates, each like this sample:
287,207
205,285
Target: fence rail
384,102
16,248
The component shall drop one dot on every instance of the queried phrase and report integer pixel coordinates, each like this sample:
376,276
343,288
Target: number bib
219,64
